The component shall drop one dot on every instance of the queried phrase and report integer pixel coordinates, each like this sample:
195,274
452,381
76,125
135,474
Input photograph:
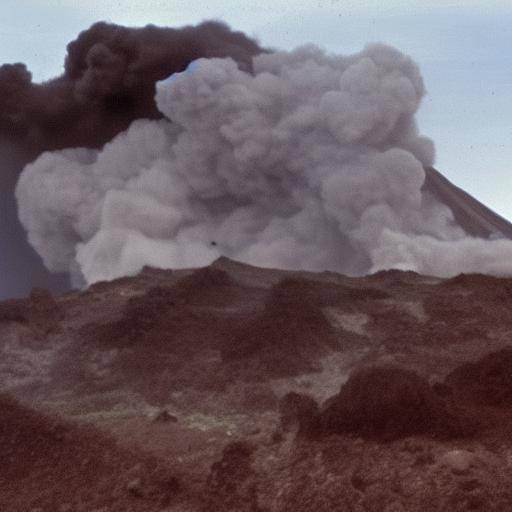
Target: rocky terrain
236,388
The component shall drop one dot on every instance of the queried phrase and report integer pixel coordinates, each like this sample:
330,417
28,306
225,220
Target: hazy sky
464,49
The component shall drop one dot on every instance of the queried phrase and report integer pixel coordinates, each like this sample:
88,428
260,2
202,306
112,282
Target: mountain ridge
473,216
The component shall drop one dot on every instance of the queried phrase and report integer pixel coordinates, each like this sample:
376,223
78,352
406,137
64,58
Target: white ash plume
310,161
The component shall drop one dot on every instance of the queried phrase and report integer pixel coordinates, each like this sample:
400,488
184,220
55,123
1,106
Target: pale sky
464,49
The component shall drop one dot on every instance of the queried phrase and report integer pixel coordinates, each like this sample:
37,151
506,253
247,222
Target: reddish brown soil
286,338
40,312
220,347
485,382
48,465
390,403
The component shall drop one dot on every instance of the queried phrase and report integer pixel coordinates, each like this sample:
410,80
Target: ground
180,378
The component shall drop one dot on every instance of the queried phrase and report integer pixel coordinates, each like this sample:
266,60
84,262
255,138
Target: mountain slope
247,362
474,217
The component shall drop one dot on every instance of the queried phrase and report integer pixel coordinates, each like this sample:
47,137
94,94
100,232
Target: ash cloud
108,81
20,266
302,160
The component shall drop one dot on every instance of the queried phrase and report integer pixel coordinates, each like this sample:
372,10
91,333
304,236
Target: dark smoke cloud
108,81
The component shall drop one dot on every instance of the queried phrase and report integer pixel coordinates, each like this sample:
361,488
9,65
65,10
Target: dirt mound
482,288
487,381
13,310
150,319
161,342
50,465
413,475
286,338
324,293
395,277
230,486
143,313
153,272
301,410
204,279
472,280
208,286
389,403
40,312
366,293
44,311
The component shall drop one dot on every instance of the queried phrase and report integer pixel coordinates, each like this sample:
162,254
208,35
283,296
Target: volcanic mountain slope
48,464
469,213
233,379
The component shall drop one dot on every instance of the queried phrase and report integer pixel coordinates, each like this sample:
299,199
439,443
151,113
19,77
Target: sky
463,49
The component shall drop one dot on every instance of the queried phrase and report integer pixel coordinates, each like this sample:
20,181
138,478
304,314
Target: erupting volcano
278,303
298,160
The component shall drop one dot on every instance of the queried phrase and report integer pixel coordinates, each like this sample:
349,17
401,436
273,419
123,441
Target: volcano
295,159
283,308
470,214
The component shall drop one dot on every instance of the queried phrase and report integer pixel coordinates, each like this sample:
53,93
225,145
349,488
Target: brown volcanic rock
220,347
41,309
44,311
159,317
40,314
161,340
287,337
48,464
301,410
205,282
325,293
469,213
487,381
231,484
13,310
410,475
389,403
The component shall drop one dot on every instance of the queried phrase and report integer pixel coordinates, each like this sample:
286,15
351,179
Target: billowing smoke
108,81
308,161
20,266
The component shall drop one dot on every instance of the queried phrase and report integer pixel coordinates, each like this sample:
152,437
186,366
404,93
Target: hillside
471,215
233,387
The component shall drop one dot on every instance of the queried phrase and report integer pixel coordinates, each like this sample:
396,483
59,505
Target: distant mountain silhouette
472,216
